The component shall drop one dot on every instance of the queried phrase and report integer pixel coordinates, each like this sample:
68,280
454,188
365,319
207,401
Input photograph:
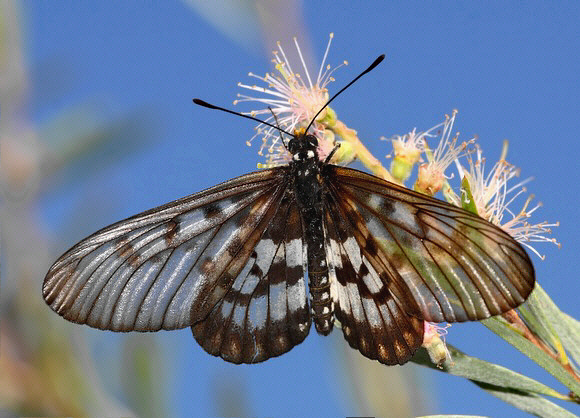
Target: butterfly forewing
456,266
144,273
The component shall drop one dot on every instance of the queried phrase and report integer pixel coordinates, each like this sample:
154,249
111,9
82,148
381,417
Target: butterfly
229,262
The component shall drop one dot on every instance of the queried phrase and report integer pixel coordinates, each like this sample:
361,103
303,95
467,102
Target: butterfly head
303,146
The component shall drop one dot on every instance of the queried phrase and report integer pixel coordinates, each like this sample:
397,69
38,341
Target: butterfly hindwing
263,312
144,273
456,266
373,319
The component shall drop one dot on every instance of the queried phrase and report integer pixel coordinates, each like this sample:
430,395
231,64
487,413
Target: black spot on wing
256,271
211,211
172,231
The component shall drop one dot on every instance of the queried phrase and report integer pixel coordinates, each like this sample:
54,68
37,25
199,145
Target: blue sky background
511,69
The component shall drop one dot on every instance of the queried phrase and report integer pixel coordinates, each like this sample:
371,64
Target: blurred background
97,124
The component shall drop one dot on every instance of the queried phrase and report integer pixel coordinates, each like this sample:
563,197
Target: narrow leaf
502,328
485,372
564,326
467,200
529,402
571,339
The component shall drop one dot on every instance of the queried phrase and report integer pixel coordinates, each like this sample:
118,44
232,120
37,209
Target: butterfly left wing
455,265
228,262
264,311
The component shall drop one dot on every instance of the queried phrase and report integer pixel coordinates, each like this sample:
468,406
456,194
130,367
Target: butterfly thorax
308,187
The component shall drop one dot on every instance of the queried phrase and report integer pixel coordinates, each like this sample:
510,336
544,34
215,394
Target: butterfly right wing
145,273
457,266
373,318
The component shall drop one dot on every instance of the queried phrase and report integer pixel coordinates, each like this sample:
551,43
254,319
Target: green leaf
565,328
485,372
529,402
571,339
467,200
502,328
540,325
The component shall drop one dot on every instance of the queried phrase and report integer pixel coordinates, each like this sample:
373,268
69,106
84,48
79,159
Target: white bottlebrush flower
434,342
492,197
431,176
293,99
407,150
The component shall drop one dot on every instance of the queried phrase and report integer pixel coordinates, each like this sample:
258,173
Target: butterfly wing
455,265
373,318
262,311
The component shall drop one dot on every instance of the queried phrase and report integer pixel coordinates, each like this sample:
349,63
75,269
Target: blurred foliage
45,369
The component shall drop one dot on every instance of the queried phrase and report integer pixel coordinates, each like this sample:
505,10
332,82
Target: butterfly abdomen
308,189
318,283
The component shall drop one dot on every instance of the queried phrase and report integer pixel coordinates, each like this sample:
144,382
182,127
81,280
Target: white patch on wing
404,215
375,201
355,303
294,253
250,283
258,312
265,250
372,280
352,250
372,313
278,301
296,295
333,254
226,309
375,228
240,279
239,315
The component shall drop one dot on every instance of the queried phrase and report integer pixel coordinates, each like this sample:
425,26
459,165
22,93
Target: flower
434,343
407,151
431,177
291,102
408,147
492,197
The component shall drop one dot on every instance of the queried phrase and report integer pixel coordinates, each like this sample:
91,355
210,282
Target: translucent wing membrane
145,273
372,317
229,263
262,309
455,265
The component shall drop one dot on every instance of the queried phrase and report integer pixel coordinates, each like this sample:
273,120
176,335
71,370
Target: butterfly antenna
369,69
278,126
223,109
